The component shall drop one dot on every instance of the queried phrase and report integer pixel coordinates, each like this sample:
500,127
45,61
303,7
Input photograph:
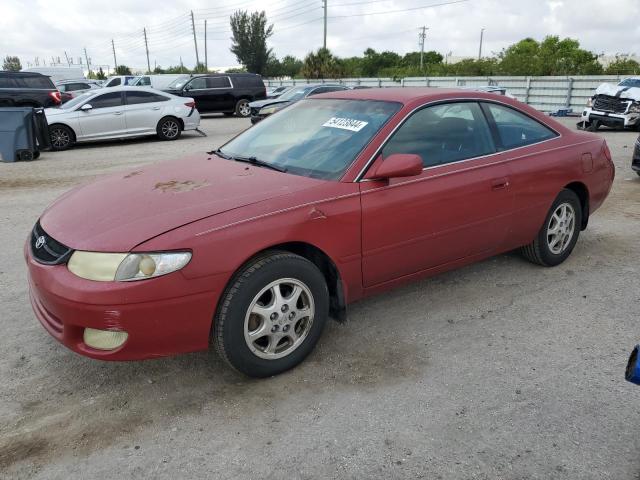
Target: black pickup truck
27,89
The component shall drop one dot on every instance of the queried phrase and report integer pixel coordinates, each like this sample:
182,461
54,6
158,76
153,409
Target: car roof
130,88
22,74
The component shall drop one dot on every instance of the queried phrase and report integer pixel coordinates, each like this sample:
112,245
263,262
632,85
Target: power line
400,10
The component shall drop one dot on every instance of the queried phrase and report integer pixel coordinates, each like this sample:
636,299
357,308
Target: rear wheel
559,234
271,315
242,108
168,128
62,137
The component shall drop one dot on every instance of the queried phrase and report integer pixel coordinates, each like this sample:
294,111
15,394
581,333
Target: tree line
528,57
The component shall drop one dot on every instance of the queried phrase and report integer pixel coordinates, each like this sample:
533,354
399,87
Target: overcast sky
44,29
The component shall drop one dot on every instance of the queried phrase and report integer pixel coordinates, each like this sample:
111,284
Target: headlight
635,107
268,110
590,102
124,267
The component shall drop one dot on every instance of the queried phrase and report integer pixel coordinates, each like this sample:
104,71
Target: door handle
499,183
117,113
156,108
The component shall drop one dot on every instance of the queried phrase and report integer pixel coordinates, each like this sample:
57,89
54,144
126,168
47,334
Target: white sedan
120,112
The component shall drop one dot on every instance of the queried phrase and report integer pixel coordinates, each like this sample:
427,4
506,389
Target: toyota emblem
40,241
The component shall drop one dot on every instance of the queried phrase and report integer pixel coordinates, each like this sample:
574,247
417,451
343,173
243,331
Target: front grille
46,249
605,103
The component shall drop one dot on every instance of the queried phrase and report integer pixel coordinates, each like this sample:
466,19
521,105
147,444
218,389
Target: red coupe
253,246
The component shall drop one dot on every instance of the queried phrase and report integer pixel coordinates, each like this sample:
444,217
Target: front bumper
256,118
162,316
614,120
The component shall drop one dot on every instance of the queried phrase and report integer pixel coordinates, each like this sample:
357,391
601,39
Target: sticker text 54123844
345,124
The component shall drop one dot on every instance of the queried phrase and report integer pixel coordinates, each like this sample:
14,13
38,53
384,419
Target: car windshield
317,138
630,82
295,94
179,82
74,102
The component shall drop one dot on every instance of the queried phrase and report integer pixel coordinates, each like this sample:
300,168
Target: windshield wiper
252,160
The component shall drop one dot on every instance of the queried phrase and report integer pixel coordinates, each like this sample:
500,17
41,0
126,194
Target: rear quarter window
37,82
516,129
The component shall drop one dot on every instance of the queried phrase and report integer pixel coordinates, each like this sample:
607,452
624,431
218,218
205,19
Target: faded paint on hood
120,211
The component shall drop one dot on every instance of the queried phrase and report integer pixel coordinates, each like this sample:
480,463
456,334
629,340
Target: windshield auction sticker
345,124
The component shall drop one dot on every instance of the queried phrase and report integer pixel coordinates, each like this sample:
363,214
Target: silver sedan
120,112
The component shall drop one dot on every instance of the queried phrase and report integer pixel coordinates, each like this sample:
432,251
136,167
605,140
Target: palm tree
321,64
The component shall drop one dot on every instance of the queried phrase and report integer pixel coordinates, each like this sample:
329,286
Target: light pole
481,37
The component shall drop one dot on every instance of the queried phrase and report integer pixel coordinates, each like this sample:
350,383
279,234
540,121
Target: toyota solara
253,246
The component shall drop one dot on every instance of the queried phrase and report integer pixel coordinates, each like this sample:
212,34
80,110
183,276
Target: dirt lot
501,370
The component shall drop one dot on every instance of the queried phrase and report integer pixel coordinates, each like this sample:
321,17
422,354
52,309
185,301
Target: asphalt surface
501,370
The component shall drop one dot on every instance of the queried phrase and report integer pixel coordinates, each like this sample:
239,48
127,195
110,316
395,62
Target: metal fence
544,93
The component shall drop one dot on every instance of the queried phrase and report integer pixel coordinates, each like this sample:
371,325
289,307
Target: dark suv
27,89
227,93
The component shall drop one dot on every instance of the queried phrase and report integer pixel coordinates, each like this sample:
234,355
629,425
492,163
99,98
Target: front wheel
168,128
61,137
242,108
559,234
271,315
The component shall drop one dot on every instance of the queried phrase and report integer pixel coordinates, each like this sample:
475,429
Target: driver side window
197,84
443,134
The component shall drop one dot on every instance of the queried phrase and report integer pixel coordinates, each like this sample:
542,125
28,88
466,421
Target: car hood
120,211
630,93
268,101
52,112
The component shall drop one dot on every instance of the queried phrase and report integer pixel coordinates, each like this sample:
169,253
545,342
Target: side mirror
397,165
86,107
187,88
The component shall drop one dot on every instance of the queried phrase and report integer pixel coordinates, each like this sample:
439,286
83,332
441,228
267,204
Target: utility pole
206,59
115,62
481,38
195,41
86,57
324,5
146,47
67,57
422,36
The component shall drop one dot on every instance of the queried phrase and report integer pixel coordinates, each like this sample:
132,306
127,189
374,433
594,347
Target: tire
169,128
242,108
62,137
284,332
551,249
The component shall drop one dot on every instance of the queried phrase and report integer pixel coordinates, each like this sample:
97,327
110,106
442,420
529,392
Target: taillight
57,98
191,104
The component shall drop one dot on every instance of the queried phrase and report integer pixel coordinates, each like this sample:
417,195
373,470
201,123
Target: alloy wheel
170,129
244,109
279,318
60,138
560,229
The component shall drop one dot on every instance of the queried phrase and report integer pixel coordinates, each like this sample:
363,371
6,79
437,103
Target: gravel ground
501,370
